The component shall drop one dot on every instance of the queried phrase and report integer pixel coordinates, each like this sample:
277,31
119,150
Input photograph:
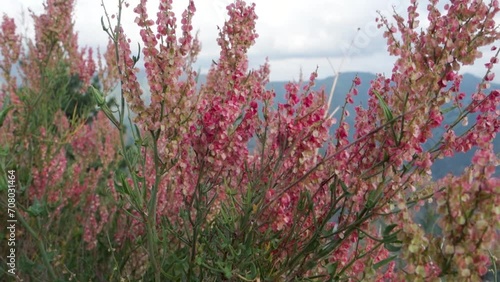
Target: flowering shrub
63,151
195,202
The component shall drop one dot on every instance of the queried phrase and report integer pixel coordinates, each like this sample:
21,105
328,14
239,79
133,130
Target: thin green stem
41,246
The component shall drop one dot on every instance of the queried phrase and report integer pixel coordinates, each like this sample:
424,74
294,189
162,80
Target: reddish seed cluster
107,72
427,62
213,149
203,136
47,176
10,48
166,59
56,26
61,177
465,220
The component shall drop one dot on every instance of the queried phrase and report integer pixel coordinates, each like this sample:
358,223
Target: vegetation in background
189,201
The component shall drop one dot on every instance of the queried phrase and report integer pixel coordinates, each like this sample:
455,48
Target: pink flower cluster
469,205
48,175
10,48
202,139
67,159
205,135
108,73
74,182
164,61
55,40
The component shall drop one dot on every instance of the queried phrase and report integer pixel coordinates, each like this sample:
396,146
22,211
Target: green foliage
208,239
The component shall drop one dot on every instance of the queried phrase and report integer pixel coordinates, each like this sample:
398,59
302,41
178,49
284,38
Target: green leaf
383,262
388,115
304,201
388,229
103,25
385,108
122,185
449,109
392,248
37,209
389,239
311,264
344,188
98,96
132,154
253,272
332,268
138,57
4,150
228,273
373,198
101,102
3,184
4,112
198,260
139,141
118,186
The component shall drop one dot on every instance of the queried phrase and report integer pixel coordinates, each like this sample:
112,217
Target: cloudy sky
293,34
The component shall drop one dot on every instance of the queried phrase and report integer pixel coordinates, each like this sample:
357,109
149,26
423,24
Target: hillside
454,165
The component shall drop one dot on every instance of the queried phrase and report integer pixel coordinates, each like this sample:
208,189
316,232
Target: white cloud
293,34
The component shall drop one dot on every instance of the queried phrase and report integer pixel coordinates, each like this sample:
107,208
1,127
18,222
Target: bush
190,201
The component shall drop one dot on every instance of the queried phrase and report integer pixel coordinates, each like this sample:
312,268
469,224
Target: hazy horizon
292,35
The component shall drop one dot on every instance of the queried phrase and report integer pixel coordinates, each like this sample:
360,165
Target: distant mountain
454,165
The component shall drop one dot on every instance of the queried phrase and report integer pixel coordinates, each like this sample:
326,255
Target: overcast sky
293,34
